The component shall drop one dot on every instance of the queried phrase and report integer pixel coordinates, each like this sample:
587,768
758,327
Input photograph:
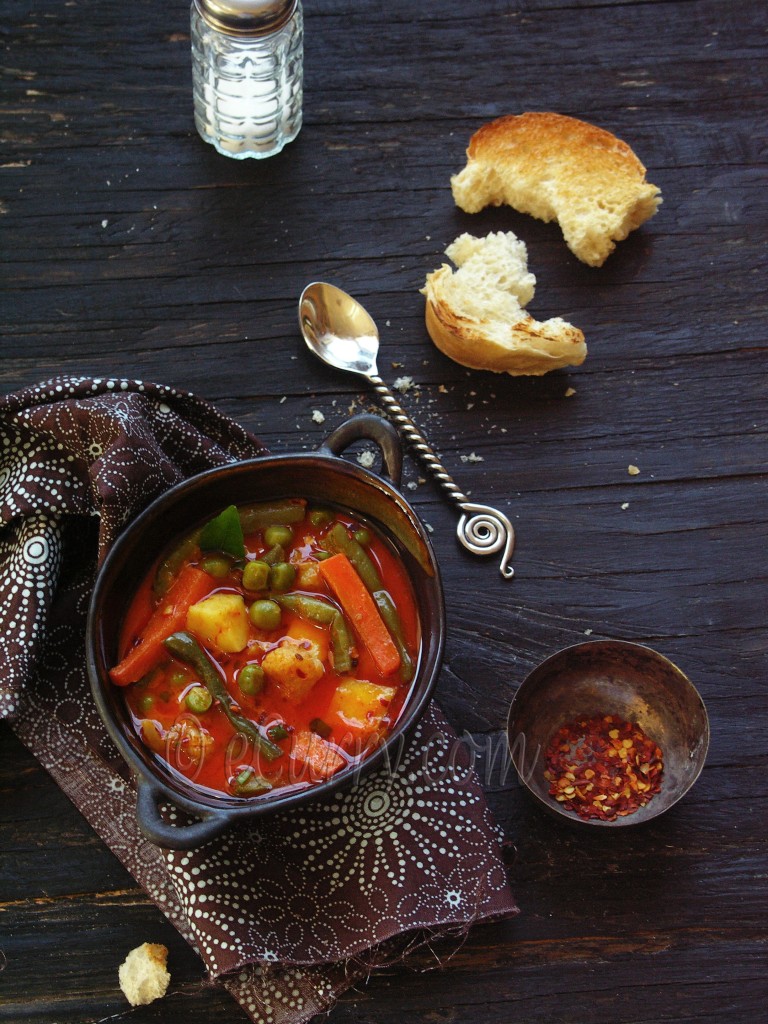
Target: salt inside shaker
247,74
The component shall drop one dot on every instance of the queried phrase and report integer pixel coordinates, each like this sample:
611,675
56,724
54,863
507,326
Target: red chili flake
603,767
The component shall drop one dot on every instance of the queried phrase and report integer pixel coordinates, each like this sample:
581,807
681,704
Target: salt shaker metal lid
247,17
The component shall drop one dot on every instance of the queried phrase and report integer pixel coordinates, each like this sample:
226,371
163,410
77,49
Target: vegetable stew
270,648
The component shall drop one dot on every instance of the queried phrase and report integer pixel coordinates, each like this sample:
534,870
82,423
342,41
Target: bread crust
555,167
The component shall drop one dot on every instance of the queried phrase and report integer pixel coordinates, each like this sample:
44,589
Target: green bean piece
277,513
168,569
265,614
217,566
317,725
321,555
339,541
363,537
278,731
275,554
198,700
256,575
278,535
146,703
250,783
184,647
316,609
341,644
282,576
392,621
320,516
251,680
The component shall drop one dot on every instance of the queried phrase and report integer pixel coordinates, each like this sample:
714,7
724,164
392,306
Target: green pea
265,614
256,575
146,703
250,679
282,535
178,679
362,536
320,516
198,700
216,565
282,576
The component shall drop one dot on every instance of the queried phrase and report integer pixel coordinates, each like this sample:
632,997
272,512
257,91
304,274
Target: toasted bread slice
559,168
475,315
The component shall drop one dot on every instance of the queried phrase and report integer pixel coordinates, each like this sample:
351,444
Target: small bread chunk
143,977
475,315
559,168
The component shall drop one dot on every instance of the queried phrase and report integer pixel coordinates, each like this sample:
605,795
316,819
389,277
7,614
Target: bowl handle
373,428
174,837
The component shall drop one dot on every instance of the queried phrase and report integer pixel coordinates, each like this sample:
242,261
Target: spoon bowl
338,329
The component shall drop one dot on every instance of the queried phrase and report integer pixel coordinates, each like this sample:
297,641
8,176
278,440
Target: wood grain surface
130,248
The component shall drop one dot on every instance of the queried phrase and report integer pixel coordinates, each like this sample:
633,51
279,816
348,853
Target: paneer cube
314,757
293,668
360,706
220,620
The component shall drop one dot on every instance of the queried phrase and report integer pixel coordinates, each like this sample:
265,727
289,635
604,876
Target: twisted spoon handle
482,530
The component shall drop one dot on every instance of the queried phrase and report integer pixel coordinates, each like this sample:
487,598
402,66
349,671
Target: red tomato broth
230,753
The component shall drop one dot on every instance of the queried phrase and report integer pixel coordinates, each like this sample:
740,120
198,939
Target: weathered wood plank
131,248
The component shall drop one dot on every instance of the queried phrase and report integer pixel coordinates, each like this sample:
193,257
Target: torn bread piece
475,314
555,167
143,975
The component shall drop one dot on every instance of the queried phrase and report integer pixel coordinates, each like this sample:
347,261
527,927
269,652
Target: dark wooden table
133,249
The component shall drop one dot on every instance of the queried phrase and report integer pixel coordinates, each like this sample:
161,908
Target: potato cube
222,621
315,756
359,705
294,668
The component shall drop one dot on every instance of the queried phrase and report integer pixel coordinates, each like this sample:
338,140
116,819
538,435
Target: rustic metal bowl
322,477
610,677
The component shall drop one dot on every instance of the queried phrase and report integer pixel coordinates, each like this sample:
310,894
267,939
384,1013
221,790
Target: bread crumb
588,632
570,392
403,384
442,389
366,459
143,976
317,416
472,458
632,470
625,506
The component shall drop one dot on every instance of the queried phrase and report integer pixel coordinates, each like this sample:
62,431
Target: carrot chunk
169,616
315,755
360,608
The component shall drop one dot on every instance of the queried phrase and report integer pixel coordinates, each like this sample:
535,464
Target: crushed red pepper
603,767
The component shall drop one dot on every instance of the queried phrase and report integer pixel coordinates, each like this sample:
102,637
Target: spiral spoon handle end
484,531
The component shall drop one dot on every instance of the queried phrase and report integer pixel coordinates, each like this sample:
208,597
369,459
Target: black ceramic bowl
614,677
321,477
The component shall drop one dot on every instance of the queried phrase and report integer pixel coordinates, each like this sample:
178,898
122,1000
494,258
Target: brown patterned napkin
289,912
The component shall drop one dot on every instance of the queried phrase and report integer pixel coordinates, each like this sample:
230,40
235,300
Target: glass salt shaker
247,74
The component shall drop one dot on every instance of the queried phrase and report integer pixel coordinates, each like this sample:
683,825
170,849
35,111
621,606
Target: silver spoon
341,333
